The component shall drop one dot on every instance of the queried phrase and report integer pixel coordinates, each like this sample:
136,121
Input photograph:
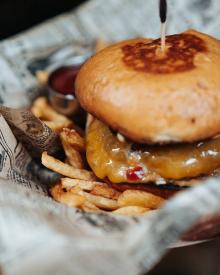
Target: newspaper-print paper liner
31,132
14,160
55,239
32,138
40,236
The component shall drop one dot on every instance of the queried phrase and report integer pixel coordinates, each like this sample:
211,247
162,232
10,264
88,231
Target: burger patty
164,191
124,161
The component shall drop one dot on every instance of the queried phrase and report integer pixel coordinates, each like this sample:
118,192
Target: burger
154,115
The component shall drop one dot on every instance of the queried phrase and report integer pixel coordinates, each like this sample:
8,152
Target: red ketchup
63,79
134,174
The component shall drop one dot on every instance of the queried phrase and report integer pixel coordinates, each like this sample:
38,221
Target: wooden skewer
163,37
100,44
163,18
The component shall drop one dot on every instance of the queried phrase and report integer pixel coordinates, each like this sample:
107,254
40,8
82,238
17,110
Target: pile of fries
78,186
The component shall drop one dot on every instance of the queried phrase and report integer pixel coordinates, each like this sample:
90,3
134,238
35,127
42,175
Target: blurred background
199,259
18,15
203,15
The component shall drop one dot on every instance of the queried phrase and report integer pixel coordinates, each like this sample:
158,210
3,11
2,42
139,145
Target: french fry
51,118
83,184
100,202
132,210
140,198
42,77
100,44
47,112
36,111
90,207
71,146
105,191
68,198
71,137
65,169
73,156
56,191
103,203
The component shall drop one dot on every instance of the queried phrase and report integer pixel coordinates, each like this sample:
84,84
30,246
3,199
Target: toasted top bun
151,97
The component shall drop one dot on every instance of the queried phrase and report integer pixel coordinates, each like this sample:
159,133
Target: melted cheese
108,157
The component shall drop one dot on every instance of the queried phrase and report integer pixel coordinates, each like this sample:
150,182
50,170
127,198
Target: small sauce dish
61,89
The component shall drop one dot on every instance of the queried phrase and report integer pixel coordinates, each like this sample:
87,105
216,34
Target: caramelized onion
108,157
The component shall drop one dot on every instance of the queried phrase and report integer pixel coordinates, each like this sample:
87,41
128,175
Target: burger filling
122,161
